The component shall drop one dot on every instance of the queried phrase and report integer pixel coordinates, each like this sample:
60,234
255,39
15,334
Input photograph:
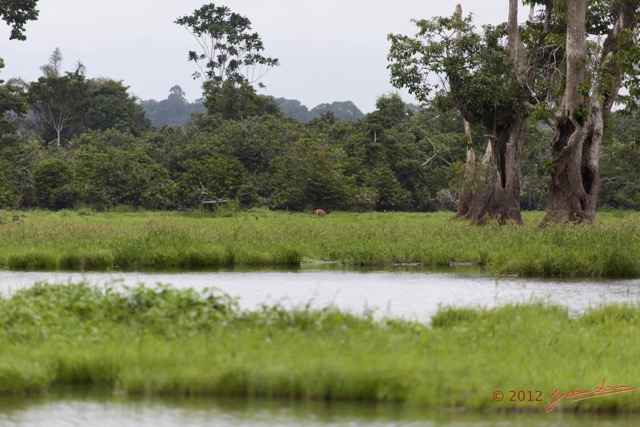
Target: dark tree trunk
579,123
466,188
497,194
575,178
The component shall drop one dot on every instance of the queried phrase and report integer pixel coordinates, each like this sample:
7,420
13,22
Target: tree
59,101
8,195
309,174
345,110
620,182
111,169
572,57
230,51
66,104
230,61
294,108
212,178
390,111
111,107
602,54
256,141
16,14
230,100
173,111
53,181
486,80
12,105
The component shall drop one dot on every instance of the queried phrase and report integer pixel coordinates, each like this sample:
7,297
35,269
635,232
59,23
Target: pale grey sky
329,50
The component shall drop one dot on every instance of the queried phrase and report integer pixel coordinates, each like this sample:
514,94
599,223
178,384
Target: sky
329,50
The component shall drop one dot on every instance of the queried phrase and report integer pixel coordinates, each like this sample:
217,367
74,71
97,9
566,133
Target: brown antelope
320,212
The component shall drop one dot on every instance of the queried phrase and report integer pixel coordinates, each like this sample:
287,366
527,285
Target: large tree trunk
497,194
570,194
574,187
466,188
579,123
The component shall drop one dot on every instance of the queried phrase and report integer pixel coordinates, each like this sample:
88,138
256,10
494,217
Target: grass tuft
171,240
160,340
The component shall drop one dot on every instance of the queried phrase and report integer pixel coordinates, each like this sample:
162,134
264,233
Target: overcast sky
329,50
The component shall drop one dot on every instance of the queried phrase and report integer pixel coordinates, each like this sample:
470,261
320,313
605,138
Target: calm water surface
409,294
102,410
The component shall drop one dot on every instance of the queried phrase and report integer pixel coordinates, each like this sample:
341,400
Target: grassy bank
179,342
89,241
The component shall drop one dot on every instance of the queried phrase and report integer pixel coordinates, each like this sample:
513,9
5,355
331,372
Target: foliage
244,150
213,178
229,100
536,165
476,67
66,105
308,175
160,340
293,108
228,45
173,111
346,110
12,105
392,159
341,110
113,170
620,183
9,197
16,14
111,107
53,182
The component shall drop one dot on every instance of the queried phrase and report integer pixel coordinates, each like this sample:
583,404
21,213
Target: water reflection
409,293
102,410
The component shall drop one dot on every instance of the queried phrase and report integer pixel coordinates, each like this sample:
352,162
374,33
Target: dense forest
176,110
69,141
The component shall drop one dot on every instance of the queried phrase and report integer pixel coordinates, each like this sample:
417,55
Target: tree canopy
16,14
531,101
565,66
65,104
229,48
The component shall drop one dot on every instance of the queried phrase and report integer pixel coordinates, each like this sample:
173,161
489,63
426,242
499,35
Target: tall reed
166,240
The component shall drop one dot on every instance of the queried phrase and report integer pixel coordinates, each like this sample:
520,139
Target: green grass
163,341
167,240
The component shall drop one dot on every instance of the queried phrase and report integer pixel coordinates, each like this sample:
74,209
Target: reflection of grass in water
163,341
72,241
90,404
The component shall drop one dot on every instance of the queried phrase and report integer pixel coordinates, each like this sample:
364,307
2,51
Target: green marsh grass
156,341
170,240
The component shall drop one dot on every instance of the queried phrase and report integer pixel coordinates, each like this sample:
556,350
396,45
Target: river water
408,293
96,409
412,294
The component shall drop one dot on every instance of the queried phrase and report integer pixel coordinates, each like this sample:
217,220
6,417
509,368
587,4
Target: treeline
70,142
176,110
